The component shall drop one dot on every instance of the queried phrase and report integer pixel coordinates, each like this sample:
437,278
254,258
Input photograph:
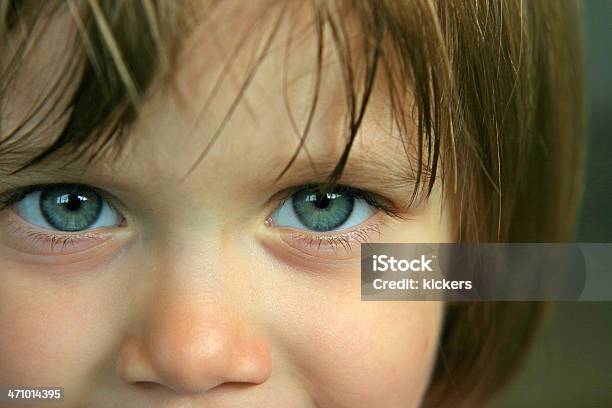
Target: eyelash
373,199
11,197
51,240
343,240
8,198
333,241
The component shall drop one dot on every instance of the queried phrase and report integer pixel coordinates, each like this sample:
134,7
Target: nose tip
194,355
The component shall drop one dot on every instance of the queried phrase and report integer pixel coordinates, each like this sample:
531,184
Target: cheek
50,328
352,353
365,354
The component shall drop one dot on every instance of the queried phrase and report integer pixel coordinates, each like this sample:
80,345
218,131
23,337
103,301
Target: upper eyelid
285,195
372,198
292,190
16,194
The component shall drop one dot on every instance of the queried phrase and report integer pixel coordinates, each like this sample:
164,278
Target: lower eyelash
54,242
335,241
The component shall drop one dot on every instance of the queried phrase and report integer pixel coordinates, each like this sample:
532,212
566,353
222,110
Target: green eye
322,212
67,208
308,209
70,209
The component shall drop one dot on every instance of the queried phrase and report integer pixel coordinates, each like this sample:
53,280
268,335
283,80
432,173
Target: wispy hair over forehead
113,59
120,48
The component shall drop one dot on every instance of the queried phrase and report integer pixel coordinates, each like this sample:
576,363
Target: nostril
146,385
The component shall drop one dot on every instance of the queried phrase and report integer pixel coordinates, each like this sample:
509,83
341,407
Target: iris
323,211
70,208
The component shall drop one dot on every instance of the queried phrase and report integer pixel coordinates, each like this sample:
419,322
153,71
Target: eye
308,209
67,208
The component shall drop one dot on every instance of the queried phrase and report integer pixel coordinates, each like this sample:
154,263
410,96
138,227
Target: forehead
252,83
248,83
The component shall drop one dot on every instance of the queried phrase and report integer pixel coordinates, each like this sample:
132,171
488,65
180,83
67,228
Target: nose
190,345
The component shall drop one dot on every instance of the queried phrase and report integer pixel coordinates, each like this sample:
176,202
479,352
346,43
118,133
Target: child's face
209,289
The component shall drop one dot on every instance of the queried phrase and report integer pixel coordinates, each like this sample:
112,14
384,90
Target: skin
195,300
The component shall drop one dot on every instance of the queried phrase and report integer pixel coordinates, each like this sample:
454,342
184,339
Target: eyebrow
375,171
358,171
18,153
61,164
359,167
13,163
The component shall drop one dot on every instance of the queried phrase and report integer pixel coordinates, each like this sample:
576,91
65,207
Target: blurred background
571,362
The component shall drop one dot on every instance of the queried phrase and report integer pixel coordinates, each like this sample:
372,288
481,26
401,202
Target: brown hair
498,103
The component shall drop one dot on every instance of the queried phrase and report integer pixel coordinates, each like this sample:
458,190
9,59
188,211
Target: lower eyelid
338,245
20,235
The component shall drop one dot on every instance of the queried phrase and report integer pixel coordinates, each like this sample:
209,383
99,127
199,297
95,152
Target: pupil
322,202
73,203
